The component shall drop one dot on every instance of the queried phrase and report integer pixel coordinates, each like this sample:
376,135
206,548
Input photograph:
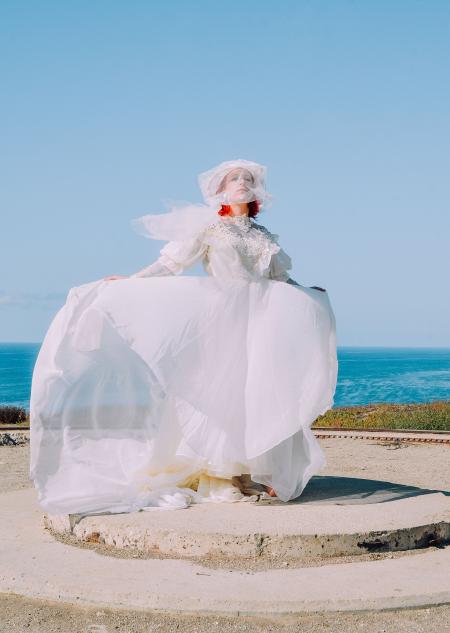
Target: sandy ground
37,617
424,465
14,468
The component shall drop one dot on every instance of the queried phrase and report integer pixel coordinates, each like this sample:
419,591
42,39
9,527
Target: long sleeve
157,269
174,258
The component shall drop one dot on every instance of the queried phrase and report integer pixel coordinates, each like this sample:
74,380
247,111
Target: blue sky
108,108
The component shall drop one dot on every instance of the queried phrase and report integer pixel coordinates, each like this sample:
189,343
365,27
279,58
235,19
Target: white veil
184,220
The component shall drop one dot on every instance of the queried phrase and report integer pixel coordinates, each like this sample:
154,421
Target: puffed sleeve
174,258
280,264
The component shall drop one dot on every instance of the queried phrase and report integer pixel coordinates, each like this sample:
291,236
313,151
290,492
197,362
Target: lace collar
242,221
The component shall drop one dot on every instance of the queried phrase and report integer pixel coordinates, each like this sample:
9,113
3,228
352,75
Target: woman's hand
318,288
112,277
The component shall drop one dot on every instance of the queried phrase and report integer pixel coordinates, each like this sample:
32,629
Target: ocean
367,375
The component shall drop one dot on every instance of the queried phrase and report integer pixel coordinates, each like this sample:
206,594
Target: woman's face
238,185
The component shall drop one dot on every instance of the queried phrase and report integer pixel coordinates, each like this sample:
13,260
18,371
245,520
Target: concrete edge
34,565
223,546
271,612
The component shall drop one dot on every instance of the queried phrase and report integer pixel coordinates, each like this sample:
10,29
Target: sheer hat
211,182
184,220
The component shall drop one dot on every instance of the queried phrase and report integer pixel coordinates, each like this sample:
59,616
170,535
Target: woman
162,390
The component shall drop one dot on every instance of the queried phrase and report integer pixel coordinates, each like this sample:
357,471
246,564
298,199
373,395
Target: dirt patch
22,614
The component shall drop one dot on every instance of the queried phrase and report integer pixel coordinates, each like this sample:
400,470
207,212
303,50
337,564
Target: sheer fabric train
145,385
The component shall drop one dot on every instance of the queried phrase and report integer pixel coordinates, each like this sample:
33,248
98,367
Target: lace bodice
230,247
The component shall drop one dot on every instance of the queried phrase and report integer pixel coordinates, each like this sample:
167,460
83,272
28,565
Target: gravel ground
14,462
18,614
424,465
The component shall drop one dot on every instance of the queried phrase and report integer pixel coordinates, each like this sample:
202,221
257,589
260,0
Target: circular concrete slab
335,516
35,565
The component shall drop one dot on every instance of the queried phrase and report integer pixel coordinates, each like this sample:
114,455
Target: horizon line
338,346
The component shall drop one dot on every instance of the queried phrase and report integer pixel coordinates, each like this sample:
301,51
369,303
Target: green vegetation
429,416
13,415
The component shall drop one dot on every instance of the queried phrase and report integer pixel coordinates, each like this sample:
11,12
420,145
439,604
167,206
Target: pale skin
236,184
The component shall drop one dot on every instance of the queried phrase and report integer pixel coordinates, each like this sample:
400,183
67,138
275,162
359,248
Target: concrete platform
34,564
335,516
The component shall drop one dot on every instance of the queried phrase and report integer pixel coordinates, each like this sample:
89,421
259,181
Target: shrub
425,416
12,415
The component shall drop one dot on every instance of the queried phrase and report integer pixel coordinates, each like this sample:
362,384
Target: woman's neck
239,208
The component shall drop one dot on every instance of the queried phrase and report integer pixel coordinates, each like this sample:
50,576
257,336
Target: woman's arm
174,258
157,269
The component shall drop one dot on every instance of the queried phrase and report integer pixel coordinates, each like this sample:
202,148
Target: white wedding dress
155,390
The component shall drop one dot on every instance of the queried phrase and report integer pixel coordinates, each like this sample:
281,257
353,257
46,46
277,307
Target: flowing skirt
143,386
